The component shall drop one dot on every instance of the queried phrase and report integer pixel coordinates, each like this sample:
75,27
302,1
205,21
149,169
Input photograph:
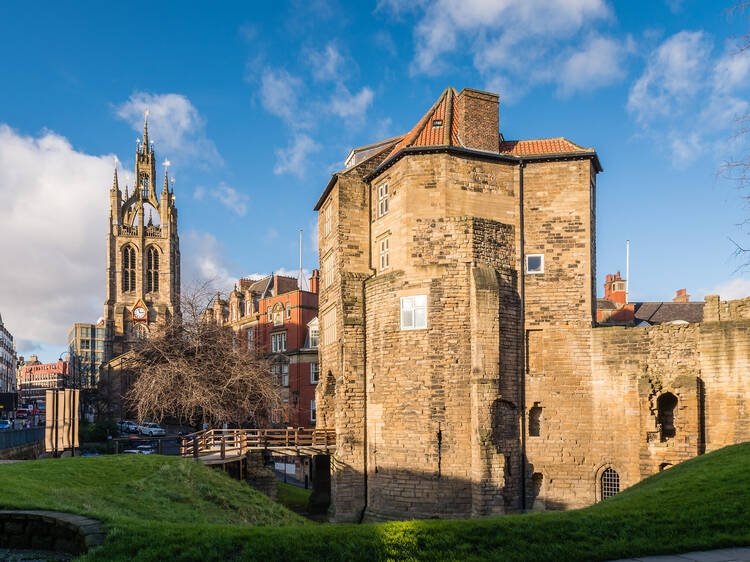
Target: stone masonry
503,395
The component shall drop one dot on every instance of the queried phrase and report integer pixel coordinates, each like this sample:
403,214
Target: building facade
276,319
36,378
86,344
8,360
143,256
461,365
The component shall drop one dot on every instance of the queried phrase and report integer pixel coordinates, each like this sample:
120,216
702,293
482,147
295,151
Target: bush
97,431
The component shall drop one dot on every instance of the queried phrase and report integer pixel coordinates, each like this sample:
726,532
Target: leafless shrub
191,370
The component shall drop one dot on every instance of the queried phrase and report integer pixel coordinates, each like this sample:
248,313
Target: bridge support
258,475
320,499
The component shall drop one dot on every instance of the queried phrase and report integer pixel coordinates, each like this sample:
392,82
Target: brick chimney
681,296
315,281
614,288
478,120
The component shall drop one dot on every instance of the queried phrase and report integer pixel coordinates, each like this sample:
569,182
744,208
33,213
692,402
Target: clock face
139,313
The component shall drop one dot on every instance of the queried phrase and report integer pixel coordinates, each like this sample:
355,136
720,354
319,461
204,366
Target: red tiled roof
559,145
425,134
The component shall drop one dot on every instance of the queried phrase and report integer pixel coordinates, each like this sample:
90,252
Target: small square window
414,312
535,263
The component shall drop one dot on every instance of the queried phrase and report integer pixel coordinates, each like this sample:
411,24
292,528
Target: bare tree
737,169
190,369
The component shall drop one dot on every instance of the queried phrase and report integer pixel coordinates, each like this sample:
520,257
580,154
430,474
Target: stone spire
145,132
166,182
115,186
150,218
126,192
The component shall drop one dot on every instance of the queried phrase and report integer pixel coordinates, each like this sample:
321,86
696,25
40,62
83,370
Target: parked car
152,429
129,426
5,424
146,449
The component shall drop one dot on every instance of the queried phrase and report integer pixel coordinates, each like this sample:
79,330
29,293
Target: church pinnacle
115,186
145,131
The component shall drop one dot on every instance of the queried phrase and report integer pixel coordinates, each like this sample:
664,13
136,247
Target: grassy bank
701,504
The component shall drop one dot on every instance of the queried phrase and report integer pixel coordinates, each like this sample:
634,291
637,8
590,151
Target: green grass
292,497
701,504
138,488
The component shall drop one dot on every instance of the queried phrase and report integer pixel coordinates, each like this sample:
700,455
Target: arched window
665,406
128,269
535,420
152,270
610,483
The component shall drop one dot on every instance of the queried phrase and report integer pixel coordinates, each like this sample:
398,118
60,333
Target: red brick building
274,317
35,378
613,310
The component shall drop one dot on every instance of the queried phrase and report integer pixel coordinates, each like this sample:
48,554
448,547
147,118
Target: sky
254,105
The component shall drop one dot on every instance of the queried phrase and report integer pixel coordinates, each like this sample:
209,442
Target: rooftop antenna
627,271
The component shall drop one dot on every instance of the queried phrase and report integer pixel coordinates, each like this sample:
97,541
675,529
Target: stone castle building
143,255
460,362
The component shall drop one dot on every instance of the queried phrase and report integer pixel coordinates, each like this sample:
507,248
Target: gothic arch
605,478
153,257
128,258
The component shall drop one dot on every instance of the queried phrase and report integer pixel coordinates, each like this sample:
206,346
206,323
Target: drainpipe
522,347
373,271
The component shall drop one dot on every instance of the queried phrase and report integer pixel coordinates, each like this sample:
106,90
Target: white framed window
382,199
288,310
534,263
269,314
314,373
314,336
249,334
248,307
327,217
414,312
328,270
385,261
313,412
278,342
278,316
329,326
285,375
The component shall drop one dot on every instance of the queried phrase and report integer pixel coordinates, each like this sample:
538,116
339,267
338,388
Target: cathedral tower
143,255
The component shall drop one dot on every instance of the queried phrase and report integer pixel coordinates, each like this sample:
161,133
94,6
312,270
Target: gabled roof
438,127
541,147
664,312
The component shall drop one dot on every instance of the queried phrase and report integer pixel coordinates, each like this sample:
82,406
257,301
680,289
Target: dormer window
437,122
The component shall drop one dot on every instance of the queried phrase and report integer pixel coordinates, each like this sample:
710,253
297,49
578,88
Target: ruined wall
600,390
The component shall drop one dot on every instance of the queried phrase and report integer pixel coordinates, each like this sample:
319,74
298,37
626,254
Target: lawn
292,497
701,504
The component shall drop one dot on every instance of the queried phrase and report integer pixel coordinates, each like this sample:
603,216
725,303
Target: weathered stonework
509,397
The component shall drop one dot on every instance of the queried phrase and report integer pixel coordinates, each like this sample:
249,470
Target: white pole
627,271
299,279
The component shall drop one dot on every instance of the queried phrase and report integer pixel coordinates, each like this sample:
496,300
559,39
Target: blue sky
255,104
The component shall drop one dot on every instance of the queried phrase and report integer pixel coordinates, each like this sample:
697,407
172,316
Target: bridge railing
15,437
236,442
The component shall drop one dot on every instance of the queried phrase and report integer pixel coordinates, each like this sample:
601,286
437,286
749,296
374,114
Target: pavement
722,555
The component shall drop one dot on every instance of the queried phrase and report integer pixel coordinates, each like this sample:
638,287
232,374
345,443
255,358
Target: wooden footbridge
219,446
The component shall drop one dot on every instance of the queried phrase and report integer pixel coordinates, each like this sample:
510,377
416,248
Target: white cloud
348,106
513,42
174,125
326,64
738,288
599,63
232,199
203,259
53,224
688,98
674,73
294,158
279,94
